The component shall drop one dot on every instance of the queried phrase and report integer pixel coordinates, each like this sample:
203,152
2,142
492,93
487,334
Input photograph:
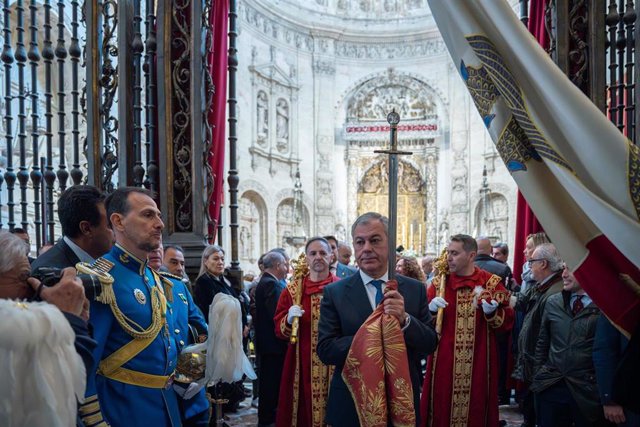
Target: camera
50,276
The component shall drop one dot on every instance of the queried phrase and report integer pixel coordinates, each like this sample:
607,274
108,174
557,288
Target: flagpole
393,119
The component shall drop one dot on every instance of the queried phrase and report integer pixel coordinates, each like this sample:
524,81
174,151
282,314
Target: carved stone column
324,74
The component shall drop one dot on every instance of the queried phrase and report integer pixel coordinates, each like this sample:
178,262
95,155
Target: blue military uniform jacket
187,318
135,402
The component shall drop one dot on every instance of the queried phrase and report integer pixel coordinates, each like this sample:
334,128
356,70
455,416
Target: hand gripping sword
393,119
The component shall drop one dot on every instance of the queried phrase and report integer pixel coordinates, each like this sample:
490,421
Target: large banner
579,174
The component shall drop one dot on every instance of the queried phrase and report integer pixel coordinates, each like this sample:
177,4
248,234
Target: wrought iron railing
83,95
594,43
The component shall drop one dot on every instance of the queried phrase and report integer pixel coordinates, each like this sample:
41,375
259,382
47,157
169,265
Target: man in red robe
305,379
461,384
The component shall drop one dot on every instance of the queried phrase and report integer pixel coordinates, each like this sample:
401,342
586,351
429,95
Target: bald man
485,261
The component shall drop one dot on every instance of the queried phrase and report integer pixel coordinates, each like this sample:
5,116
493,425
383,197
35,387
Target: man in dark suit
86,233
348,303
338,269
269,349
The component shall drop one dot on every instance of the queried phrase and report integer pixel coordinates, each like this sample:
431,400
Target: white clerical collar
366,278
82,255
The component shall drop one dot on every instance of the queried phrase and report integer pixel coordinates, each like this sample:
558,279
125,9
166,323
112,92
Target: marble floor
248,415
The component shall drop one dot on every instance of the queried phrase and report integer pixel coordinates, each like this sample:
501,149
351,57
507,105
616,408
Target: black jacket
60,256
564,352
207,287
267,294
345,307
492,265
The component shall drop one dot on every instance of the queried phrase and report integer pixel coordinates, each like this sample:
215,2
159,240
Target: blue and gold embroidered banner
578,173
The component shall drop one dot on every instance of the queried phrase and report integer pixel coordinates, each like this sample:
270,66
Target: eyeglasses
536,259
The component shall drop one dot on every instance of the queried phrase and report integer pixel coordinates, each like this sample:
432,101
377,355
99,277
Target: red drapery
526,221
218,60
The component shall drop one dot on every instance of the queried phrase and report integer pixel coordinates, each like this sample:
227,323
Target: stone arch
392,78
285,225
491,217
253,226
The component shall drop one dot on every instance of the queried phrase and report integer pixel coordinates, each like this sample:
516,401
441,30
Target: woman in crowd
408,266
211,281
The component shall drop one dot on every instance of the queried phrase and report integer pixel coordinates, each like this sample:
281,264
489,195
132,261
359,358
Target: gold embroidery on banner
463,349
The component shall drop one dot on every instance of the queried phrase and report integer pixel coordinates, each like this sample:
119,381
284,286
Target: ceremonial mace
393,119
442,267
300,270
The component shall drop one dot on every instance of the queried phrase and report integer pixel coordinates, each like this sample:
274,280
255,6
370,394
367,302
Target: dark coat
207,287
60,256
266,297
345,307
532,303
564,352
492,265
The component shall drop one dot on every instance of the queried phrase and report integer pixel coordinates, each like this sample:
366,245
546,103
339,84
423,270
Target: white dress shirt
371,290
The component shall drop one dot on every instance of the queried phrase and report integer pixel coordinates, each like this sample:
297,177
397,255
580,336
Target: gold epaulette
170,275
100,268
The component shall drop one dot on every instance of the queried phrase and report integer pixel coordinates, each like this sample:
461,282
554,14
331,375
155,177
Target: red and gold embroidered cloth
305,379
461,385
377,372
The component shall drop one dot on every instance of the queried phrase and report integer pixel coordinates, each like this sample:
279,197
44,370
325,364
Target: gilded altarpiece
373,194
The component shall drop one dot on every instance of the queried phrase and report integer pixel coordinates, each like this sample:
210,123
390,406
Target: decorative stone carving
262,118
324,66
282,126
375,98
298,36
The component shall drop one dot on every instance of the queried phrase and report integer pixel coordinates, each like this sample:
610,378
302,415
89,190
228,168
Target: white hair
13,248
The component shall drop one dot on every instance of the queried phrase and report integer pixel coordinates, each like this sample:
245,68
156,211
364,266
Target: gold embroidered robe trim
465,327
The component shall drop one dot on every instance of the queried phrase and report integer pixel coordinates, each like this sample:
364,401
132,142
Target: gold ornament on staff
442,269
300,271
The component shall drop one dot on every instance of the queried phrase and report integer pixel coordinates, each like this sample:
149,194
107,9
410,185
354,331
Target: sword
393,119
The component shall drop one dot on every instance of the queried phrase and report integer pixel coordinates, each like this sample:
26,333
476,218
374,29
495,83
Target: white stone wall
318,60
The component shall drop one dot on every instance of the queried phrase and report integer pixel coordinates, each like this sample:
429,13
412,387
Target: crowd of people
472,337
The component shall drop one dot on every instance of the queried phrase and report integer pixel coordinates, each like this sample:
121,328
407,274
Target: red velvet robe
468,394
305,379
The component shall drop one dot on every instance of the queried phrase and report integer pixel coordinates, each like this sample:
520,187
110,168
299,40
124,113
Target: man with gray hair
269,349
546,268
348,303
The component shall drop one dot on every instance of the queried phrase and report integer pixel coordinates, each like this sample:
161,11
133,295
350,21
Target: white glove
294,311
436,303
489,308
187,392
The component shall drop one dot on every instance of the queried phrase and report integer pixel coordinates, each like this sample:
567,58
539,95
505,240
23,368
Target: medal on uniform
183,298
140,296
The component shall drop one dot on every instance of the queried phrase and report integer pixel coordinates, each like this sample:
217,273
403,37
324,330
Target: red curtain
526,221
218,61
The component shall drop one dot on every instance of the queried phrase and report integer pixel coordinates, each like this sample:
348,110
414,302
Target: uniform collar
129,260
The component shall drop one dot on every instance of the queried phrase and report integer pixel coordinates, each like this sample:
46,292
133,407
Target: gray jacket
564,353
532,303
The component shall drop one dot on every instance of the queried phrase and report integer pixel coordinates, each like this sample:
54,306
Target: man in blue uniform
190,328
133,324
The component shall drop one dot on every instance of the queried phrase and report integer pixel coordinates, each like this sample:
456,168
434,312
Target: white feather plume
44,375
226,360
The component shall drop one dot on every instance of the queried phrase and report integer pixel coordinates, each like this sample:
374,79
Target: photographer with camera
43,340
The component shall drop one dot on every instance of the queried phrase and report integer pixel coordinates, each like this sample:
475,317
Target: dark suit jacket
492,265
60,256
267,294
345,307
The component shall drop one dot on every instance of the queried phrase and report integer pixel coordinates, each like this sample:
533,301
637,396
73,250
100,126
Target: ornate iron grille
80,105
